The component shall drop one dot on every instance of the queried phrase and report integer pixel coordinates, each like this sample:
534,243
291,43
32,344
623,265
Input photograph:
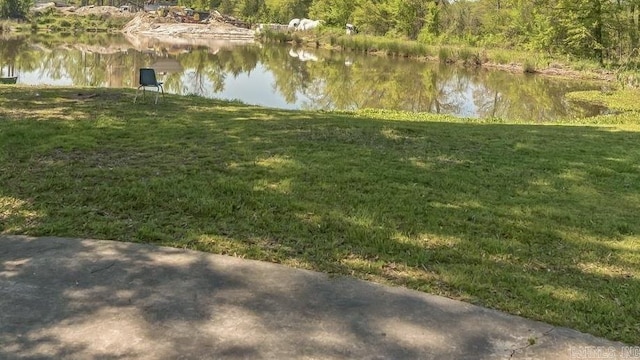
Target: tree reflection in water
281,76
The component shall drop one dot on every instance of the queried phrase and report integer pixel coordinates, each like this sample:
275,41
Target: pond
282,76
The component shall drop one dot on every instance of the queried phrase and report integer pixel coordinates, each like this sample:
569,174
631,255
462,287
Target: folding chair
148,79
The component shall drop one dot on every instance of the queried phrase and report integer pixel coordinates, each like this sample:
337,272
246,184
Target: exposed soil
557,70
153,25
166,28
105,11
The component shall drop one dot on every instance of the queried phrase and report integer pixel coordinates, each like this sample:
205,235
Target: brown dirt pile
96,10
150,24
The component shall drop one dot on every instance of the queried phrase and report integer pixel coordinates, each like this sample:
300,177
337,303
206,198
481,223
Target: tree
204,5
412,15
584,26
15,9
373,16
334,12
282,11
251,10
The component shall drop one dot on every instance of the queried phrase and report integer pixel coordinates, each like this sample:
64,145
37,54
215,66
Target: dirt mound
216,16
150,24
96,10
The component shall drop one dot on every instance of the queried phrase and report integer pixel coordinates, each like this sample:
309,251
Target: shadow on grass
534,220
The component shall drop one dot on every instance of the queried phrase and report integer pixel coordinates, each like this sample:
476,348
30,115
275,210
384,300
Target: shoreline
152,28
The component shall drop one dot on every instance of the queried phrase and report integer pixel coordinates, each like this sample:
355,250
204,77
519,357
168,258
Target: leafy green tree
282,11
581,26
203,5
227,7
373,16
334,12
15,9
458,21
251,10
412,15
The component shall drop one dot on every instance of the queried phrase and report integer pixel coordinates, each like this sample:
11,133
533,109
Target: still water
282,76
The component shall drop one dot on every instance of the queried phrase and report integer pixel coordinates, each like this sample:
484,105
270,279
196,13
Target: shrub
445,55
14,9
501,57
529,66
44,20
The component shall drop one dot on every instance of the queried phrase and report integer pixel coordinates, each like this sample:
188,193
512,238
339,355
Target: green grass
269,35
536,220
53,21
625,100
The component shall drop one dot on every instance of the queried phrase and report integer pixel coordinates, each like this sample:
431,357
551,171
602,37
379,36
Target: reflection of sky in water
468,107
42,77
256,88
463,99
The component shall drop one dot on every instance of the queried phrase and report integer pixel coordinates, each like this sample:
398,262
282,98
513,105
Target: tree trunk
597,31
633,28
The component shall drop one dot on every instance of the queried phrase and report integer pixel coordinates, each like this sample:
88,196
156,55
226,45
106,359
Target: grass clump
529,66
467,56
536,220
52,20
445,55
269,35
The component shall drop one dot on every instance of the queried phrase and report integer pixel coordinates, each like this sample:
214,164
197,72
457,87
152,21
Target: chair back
148,77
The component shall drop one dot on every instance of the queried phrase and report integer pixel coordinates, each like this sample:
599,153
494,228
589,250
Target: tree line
602,30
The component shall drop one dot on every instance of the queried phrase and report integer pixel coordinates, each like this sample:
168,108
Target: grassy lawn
532,219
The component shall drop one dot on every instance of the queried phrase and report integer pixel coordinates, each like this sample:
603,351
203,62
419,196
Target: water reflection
292,78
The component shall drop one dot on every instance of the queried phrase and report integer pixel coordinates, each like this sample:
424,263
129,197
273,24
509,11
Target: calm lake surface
282,76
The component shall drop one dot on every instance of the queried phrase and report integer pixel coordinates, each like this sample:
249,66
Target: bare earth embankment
167,29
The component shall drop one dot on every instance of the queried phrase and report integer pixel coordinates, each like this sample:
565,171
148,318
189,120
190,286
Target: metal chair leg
136,97
160,90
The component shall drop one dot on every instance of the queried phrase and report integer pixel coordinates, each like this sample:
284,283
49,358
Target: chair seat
153,84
